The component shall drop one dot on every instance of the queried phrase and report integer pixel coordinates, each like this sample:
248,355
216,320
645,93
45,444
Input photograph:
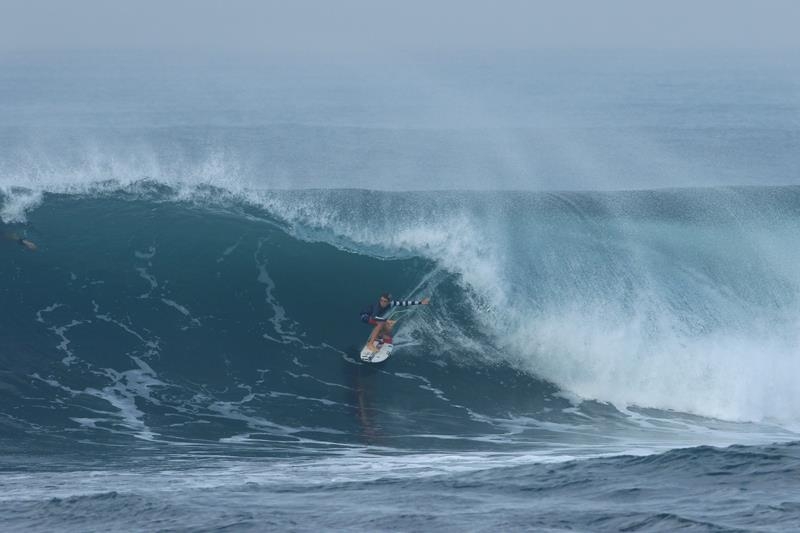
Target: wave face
200,315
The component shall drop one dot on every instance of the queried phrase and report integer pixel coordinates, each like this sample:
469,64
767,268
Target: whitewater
611,343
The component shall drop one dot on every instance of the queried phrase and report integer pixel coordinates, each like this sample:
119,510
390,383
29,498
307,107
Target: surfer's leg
374,335
387,331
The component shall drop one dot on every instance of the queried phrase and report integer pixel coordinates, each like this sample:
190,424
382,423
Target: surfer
375,316
20,240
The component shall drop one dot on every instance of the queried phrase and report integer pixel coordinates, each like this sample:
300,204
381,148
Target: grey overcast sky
345,26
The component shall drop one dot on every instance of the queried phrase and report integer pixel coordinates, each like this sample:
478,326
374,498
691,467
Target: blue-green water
181,350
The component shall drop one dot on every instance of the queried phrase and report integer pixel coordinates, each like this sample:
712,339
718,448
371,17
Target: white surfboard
383,353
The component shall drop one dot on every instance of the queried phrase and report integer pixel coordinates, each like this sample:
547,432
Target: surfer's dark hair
386,295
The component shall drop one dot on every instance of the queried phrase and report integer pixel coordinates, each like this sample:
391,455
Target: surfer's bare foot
27,244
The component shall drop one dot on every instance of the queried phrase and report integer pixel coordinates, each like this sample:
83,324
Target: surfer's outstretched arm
19,240
405,303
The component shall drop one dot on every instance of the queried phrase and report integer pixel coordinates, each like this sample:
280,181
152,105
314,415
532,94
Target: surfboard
383,353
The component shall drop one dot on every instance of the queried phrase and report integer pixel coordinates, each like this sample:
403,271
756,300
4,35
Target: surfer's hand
425,301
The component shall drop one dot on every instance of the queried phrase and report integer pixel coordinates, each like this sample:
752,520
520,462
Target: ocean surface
611,245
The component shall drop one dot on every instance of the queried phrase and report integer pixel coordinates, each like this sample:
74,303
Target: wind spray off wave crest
97,169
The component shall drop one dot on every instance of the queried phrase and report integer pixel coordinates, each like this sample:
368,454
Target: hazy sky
347,26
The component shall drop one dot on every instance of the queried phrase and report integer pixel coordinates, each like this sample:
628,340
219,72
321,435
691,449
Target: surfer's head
385,299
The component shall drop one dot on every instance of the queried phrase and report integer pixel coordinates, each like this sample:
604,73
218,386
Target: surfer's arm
406,303
20,240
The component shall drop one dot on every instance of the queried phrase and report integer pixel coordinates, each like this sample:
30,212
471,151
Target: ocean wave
220,307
